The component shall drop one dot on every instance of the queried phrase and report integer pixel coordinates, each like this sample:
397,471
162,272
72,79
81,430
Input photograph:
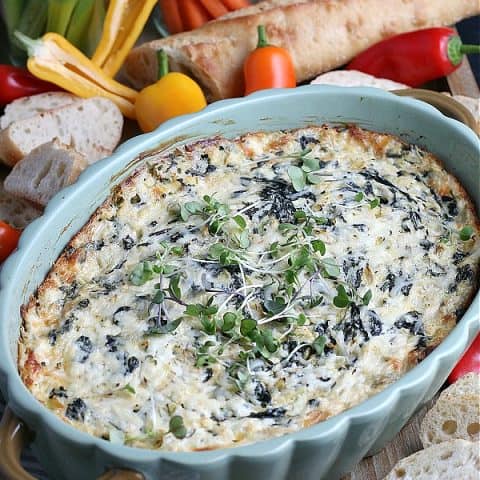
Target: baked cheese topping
235,290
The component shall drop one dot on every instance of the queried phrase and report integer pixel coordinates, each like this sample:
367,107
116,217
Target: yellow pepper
172,95
123,25
56,60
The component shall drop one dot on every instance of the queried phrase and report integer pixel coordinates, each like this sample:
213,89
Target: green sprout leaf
318,246
367,297
164,329
177,428
128,388
229,321
359,197
240,221
319,344
374,203
247,326
298,178
275,305
342,299
466,233
159,297
174,287
142,273
330,267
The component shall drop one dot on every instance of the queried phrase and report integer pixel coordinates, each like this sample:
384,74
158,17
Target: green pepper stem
27,43
456,50
262,37
162,59
467,49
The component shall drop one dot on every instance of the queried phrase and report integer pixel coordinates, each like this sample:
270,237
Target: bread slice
44,172
456,414
92,127
453,460
13,210
354,78
27,107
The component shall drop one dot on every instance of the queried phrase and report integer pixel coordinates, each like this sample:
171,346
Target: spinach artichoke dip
235,290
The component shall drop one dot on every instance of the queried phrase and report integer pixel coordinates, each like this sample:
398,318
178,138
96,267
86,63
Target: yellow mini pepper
172,95
55,59
123,25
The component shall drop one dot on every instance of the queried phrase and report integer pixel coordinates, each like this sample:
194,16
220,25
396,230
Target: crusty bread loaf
354,78
44,172
27,107
453,460
319,34
456,414
91,126
15,211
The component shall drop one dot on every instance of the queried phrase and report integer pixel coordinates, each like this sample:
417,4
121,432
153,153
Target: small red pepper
16,82
268,66
414,58
470,362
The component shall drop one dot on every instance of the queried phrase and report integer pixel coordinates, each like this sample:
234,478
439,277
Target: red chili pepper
470,362
414,58
16,82
268,66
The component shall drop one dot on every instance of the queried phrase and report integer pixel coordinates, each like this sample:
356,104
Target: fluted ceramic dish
324,451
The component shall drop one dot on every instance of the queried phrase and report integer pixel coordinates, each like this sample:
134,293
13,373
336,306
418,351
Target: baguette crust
319,34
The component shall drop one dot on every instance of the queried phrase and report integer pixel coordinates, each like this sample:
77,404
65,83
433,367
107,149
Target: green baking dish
324,451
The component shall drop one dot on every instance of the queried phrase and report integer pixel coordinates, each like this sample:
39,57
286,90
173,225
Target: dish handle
14,437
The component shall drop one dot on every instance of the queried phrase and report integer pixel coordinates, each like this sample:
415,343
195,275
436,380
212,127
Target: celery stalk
79,24
32,23
59,14
12,11
96,27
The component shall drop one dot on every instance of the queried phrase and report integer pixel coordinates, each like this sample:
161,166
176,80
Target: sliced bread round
27,107
92,127
15,211
453,460
456,414
44,172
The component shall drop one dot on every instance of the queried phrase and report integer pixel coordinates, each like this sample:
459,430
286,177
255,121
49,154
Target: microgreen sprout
305,174
176,427
466,233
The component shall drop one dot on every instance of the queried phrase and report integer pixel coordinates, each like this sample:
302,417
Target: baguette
319,34
453,460
44,172
91,126
456,414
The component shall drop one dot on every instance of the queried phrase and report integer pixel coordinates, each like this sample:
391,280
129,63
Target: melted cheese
390,221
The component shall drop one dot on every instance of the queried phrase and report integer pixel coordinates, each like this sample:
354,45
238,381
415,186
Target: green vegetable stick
77,30
59,14
96,27
12,11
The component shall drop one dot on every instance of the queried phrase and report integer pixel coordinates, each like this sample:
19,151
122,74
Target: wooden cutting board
404,444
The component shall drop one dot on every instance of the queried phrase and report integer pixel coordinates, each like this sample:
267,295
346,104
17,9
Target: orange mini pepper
268,66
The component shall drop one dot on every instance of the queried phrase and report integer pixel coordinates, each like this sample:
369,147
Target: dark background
470,32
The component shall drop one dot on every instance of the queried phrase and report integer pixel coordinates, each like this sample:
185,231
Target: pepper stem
467,49
162,59
456,50
26,43
262,37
